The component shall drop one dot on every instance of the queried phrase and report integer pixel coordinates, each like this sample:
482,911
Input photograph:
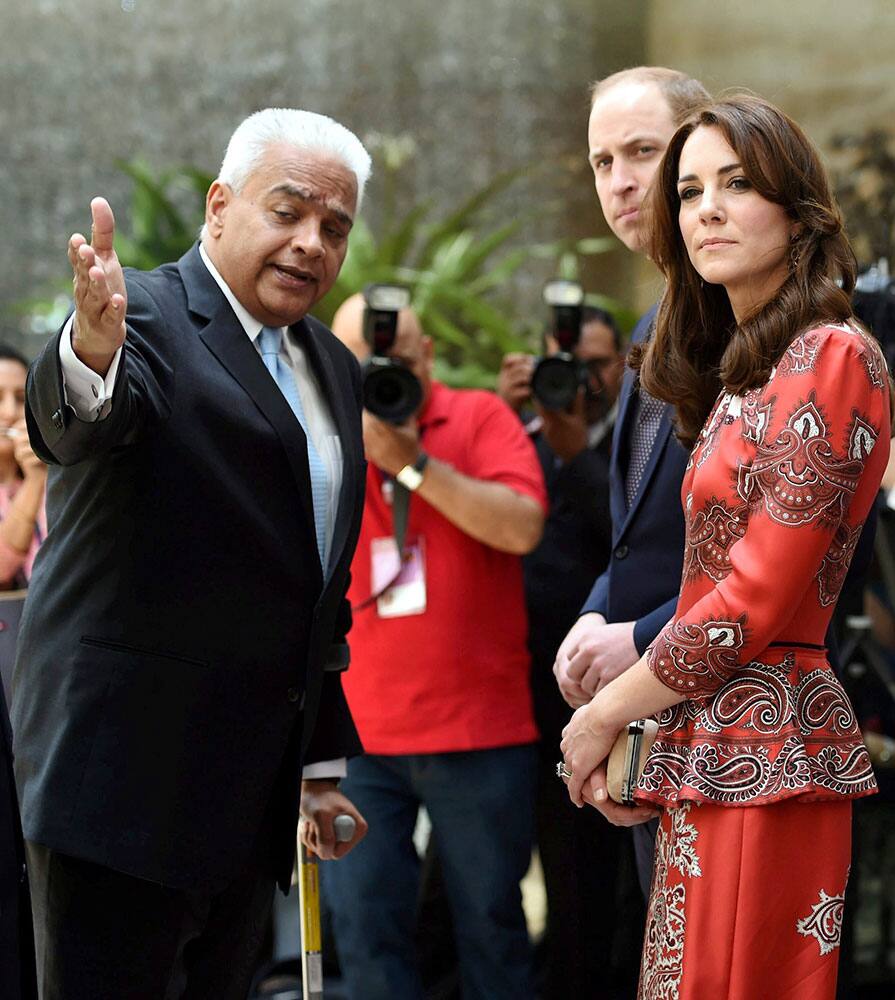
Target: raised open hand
99,292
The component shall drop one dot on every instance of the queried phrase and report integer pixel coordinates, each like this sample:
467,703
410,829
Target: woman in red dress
784,400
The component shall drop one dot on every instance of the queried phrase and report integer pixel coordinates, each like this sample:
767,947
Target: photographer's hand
565,430
27,461
514,379
390,447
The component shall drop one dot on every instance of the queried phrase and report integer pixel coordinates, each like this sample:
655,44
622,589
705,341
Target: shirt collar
248,322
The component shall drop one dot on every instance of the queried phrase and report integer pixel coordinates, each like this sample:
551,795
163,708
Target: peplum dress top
775,495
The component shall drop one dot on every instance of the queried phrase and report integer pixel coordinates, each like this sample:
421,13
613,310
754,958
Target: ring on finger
562,770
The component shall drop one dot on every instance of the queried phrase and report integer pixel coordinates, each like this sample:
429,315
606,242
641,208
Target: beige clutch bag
627,759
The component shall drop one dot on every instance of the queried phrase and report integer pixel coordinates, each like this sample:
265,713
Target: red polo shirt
456,676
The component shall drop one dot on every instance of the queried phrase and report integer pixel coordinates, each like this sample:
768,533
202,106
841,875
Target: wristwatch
411,476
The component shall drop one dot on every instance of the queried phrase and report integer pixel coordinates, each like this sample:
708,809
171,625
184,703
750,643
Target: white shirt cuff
325,769
86,392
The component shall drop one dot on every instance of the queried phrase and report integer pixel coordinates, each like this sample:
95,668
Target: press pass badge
402,586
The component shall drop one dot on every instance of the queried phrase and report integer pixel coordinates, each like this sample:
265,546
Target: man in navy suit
633,115
179,651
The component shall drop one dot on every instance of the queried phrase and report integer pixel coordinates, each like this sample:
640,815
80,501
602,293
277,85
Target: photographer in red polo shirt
438,685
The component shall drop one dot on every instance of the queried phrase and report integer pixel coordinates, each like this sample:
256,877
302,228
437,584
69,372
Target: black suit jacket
170,675
643,578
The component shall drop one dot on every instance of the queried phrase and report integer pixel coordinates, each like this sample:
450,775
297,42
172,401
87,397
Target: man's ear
216,203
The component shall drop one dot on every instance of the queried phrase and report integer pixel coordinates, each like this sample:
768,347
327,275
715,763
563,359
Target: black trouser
104,935
595,913
644,848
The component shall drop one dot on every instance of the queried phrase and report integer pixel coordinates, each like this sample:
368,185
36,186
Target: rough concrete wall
827,63
482,86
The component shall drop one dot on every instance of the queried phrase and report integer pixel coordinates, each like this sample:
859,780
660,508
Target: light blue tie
271,340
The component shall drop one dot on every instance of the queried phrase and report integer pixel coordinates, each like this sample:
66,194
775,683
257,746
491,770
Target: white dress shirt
90,396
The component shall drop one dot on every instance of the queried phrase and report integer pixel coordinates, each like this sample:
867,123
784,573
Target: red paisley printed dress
746,904
776,493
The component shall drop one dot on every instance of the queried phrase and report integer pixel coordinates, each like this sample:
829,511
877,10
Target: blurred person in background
438,685
594,920
785,401
22,526
633,115
23,478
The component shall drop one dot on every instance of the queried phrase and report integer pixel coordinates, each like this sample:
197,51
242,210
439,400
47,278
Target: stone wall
481,86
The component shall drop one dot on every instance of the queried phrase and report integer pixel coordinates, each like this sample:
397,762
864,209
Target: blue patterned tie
649,416
271,340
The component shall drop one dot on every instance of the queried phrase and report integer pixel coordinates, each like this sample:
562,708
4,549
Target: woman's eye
646,150
285,216
688,194
740,183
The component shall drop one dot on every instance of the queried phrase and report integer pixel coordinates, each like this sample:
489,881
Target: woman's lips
715,243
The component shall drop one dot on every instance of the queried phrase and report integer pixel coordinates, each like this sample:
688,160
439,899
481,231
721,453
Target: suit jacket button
58,421
621,552
294,694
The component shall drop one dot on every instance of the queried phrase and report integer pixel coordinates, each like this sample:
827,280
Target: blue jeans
481,806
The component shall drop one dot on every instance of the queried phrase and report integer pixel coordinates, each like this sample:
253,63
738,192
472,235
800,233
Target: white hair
303,129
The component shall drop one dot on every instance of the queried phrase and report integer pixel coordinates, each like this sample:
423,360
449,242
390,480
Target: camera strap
400,517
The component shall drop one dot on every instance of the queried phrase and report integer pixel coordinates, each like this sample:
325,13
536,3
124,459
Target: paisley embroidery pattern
798,476
710,432
784,730
663,946
834,568
824,922
755,415
800,356
695,658
710,534
804,451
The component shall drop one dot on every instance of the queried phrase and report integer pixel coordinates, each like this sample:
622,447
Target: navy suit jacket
171,677
643,578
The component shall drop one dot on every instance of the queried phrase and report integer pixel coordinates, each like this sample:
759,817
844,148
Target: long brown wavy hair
697,347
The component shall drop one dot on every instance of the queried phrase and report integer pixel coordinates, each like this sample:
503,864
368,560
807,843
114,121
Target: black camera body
558,378
390,390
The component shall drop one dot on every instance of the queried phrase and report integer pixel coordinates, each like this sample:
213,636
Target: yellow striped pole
309,904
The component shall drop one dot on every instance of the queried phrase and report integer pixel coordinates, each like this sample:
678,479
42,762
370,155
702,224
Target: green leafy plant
459,268
167,208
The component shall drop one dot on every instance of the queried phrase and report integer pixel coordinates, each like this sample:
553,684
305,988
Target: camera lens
391,391
555,382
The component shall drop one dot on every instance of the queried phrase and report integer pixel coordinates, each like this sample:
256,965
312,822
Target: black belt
797,645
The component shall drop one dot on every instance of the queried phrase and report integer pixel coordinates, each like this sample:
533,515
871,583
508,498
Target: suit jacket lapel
335,395
225,337
621,439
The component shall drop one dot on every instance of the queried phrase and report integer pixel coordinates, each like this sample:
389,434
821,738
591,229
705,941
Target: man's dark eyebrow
721,171
637,140
303,194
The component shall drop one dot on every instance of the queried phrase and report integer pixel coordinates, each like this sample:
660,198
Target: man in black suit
179,653
588,951
633,116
